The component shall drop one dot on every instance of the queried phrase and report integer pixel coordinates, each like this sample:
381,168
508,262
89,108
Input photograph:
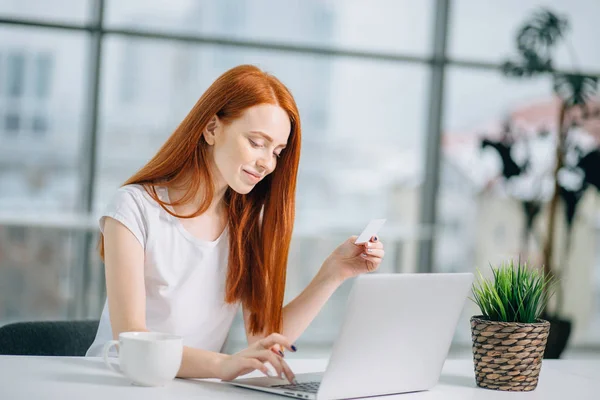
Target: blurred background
410,112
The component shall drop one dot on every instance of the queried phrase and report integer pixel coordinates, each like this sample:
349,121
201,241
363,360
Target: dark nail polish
374,238
281,352
294,348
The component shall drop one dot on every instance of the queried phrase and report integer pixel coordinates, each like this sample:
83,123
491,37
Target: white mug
147,358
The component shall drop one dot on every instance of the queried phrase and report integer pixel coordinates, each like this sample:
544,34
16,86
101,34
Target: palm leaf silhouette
535,41
575,89
543,31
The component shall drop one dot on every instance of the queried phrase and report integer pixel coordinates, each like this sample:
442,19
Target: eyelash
258,146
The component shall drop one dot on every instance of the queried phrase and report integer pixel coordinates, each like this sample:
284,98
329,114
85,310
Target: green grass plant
515,293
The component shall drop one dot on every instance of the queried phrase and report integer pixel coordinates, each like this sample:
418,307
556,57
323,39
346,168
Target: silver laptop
394,338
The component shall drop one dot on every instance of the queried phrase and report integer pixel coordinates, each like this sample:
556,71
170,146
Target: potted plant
509,338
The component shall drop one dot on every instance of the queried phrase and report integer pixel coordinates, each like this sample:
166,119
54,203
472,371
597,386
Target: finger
374,239
374,253
352,241
278,363
269,356
277,352
370,258
291,377
276,338
373,245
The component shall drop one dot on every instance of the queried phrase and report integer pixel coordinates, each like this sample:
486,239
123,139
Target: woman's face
247,149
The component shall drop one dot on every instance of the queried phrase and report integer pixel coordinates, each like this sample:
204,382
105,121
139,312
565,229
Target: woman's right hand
254,357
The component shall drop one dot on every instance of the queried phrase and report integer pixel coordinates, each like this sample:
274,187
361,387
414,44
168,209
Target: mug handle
107,348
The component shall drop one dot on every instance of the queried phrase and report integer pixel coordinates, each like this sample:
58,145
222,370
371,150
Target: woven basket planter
508,355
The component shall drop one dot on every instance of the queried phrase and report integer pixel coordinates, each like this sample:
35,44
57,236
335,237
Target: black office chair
48,338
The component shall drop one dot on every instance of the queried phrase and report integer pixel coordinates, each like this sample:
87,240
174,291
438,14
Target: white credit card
371,230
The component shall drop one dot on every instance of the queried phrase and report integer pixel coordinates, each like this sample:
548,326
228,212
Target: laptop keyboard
309,387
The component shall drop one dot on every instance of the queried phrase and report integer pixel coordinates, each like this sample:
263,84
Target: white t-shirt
184,276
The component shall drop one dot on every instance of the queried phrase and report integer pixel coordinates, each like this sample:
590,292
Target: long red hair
258,247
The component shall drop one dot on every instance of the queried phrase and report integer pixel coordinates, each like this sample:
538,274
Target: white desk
88,378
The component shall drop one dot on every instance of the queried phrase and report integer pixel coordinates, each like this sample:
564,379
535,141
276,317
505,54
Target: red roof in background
542,115
528,120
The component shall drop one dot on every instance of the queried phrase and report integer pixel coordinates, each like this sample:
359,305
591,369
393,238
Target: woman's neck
216,207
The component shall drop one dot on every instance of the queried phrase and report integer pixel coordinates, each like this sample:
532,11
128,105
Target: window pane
15,71
486,30
56,10
380,25
36,268
43,71
481,214
41,129
363,125
12,123
40,124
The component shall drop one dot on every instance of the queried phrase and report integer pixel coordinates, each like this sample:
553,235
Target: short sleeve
127,207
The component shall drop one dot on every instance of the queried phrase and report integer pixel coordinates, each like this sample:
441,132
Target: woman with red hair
205,226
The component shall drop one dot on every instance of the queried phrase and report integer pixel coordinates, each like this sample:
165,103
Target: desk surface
88,378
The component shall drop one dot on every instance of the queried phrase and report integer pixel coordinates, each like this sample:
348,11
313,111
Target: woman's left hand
350,260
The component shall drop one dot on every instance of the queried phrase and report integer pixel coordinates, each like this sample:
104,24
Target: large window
78,116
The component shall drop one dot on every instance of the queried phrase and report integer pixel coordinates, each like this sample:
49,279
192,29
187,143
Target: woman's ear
210,132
